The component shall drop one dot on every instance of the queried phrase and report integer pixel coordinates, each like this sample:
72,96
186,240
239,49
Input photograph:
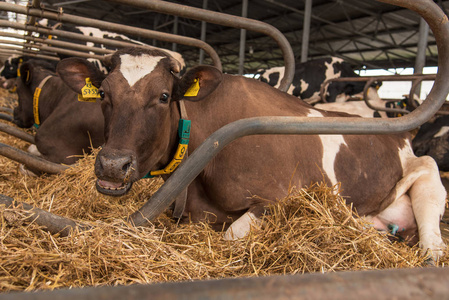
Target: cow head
139,103
9,69
32,73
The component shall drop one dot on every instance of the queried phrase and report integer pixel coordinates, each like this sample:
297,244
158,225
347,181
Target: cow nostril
126,167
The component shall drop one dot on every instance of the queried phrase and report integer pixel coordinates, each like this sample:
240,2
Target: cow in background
433,139
309,76
360,108
67,128
379,174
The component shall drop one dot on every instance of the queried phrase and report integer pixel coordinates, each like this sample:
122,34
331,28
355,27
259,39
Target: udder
398,219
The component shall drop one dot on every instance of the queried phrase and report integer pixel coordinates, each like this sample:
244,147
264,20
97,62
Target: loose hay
310,230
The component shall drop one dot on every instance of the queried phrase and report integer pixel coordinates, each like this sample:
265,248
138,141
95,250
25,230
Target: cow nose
115,165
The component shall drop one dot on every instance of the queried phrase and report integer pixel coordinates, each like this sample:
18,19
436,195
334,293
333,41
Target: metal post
306,30
243,38
155,22
174,46
420,61
203,33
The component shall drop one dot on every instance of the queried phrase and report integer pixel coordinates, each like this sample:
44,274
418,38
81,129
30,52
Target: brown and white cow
379,174
67,127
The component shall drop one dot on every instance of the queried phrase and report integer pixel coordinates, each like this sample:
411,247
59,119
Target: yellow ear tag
89,92
193,89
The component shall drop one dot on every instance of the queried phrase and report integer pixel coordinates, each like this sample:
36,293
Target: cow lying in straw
379,174
66,126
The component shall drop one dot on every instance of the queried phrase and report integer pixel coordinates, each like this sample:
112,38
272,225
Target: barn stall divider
429,282
218,18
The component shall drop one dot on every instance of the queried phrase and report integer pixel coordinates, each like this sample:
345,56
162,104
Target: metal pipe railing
224,20
32,54
119,28
201,156
54,42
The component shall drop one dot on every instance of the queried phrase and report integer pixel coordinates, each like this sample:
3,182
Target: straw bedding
310,230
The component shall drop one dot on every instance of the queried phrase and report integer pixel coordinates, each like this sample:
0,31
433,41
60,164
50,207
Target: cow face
10,67
139,103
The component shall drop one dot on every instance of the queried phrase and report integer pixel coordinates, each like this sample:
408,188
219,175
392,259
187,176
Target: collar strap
18,67
36,95
184,136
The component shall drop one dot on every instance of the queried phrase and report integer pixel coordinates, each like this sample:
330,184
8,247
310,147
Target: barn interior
367,34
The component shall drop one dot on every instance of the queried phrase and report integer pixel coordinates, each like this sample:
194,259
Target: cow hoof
112,188
24,171
433,249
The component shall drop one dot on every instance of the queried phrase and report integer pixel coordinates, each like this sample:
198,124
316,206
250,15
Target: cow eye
164,98
101,93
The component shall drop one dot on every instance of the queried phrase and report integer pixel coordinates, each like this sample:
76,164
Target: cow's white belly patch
331,146
134,68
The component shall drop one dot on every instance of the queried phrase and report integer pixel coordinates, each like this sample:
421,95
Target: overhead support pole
243,38
174,46
420,61
306,31
203,33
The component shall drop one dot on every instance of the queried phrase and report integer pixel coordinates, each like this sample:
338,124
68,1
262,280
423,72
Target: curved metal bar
188,170
17,133
31,161
368,103
119,28
7,110
225,20
6,117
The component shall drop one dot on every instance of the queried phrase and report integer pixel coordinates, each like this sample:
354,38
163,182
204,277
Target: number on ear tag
193,89
89,92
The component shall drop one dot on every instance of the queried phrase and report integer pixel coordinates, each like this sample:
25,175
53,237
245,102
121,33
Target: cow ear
26,73
198,83
74,71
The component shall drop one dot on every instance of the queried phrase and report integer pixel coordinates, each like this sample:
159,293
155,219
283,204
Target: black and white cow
309,77
360,108
433,139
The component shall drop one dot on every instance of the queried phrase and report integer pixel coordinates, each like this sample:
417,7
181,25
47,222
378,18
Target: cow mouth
113,188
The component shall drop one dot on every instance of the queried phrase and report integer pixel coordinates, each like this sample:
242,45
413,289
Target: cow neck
37,93
183,142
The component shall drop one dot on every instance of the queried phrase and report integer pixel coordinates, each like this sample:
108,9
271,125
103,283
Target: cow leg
32,149
242,226
428,197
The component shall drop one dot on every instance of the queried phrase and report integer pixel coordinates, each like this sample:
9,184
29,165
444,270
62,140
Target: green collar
184,136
